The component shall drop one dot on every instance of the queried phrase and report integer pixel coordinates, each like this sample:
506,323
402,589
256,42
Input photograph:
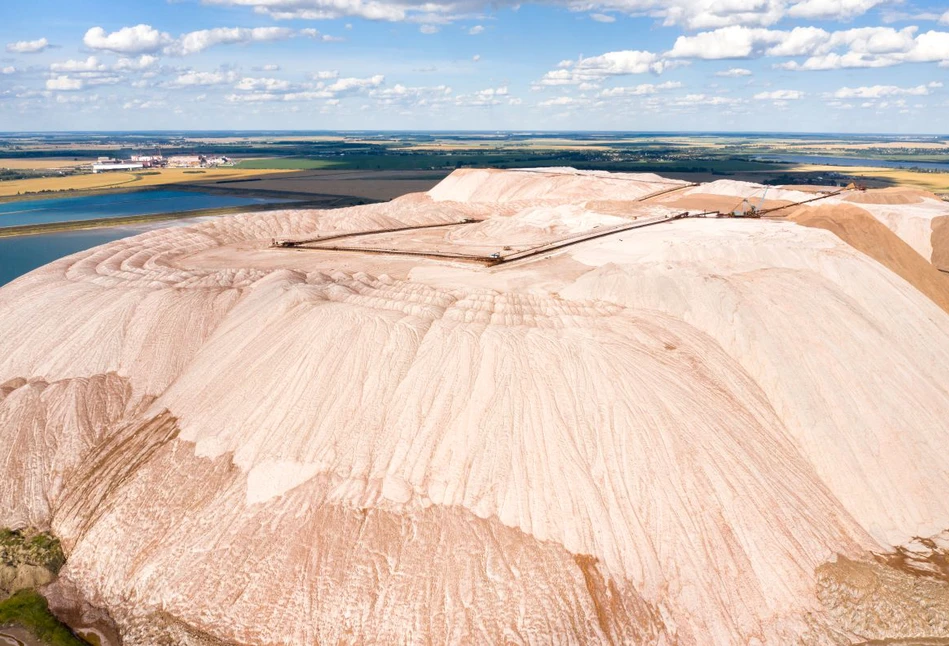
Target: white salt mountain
704,430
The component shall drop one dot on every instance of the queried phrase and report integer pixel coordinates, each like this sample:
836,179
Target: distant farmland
288,163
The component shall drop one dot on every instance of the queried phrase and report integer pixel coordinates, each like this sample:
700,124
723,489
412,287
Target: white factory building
106,164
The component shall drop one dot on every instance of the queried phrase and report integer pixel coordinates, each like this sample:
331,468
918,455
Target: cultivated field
104,181
935,182
40,163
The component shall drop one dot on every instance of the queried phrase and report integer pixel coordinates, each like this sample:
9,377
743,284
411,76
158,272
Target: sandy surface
663,435
940,243
861,230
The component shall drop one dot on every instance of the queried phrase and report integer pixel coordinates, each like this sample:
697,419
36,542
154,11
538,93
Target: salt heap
699,431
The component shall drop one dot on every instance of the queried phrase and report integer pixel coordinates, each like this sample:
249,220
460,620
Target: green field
287,163
424,160
29,609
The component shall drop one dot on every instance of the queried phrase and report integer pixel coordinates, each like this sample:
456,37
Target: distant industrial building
106,164
185,161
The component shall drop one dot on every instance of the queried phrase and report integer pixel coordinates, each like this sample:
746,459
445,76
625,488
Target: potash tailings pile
526,407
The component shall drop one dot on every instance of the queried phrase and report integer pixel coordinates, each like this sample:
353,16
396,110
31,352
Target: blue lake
117,205
852,161
23,254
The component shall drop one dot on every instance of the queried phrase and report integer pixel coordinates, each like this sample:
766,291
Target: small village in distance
140,162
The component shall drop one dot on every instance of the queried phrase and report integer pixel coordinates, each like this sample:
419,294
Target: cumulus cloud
602,17
727,42
198,41
643,89
249,84
28,46
193,78
128,40
832,9
316,35
944,20
406,96
63,83
860,47
560,101
143,62
474,31
880,91
350,84
693,100
428,29
691,14
9,69
269,90
734,72
482,98
780,95
91,64
596,68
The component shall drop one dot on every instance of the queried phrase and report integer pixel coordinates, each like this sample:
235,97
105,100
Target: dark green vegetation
696,157
18,547
288,163
29,609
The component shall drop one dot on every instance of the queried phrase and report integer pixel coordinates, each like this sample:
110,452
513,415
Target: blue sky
772,65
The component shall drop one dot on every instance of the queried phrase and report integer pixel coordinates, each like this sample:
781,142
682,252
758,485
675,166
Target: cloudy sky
736,65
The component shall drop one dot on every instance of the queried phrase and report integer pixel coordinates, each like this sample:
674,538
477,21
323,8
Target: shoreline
131,220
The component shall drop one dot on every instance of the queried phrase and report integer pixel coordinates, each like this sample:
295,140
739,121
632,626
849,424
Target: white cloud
602,17
780,95
332,9
411,96
727,42
325,75
880,91
734,72
269,68
690,14
852,48
474,31
944,20
481,98
350,84
316,35
248,84
693,100
198,41
596,68
193,78
800,41
143,62
9,69
91,64
28,46
128,40
832,9
428,29
560,101
63,84
640,90
476,58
